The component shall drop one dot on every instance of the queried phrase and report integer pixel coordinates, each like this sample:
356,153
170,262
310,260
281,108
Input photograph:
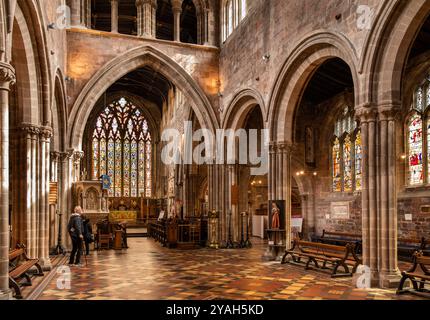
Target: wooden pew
418,279
19,267
340,239
406,247
317,253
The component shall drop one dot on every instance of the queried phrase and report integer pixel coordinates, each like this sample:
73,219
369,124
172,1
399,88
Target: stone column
43,221
7,78
77,159
66,194
389,273
53,223
146,18
29,222
368,117
114,16
285,176
81,13
177,11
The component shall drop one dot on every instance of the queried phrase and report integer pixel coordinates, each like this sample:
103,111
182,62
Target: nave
147,271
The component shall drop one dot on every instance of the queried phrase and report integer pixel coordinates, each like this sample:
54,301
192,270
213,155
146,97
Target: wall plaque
340,210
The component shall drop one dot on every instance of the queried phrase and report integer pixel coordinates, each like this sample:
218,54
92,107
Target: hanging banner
106,182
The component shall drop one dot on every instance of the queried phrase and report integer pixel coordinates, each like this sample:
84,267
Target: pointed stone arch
124,64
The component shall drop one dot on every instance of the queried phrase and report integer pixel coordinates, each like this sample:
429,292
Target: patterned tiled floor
149,272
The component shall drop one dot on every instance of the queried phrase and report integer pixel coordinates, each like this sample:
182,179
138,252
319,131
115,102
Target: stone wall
416,205
275,30
89,51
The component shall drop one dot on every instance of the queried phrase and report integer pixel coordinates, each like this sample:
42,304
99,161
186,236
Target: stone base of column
46,264
390,280
272,254
6,295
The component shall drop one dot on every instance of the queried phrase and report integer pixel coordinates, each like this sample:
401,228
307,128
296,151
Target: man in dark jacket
76,228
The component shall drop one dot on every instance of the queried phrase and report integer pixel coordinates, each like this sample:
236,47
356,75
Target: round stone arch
121,66
240,106
387,49
297,71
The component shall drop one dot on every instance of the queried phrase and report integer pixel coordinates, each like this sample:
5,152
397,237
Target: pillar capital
153,3
78,156
30,129
366,113
177,6
56,155
7,76
285,147
46,133
389,110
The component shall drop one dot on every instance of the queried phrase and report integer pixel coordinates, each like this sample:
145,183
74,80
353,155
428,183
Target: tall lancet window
418,136
346,154
122,149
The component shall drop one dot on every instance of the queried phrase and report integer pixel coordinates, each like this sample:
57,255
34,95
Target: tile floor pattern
149,272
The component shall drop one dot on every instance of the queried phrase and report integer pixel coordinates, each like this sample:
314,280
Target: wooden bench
418,279
19,267
407,247
340,239
315,253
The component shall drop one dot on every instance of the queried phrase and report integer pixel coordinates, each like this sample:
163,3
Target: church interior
322,192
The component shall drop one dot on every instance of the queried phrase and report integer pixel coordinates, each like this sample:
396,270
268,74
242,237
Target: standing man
76,228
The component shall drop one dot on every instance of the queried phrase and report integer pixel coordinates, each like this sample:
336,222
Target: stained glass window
346,154
358,162
337,175
347,164
122,149
415,136
428,95
420,100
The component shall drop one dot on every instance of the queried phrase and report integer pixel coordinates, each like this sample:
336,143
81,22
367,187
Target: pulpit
93,200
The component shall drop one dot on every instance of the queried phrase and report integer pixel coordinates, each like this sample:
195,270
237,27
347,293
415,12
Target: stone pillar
29,222
146,18
53,223
280,184
285,167
43,221
379,199
114,16
215,195
66,194
81,13
177,11
368,118
233,205
77,159
387,243
7,78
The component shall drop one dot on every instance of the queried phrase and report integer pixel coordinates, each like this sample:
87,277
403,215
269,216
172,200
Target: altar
123,216
93,200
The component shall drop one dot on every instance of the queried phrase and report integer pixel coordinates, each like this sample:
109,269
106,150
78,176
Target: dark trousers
77,250
87,248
